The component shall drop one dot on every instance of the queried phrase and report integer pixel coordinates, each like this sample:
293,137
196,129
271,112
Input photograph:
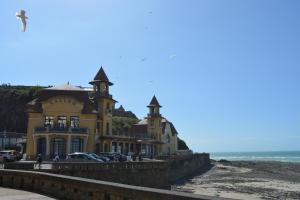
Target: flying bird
172,56
21,15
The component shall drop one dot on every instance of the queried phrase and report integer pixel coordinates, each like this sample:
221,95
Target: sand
249,180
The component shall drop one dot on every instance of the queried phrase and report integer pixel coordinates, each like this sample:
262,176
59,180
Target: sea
283,156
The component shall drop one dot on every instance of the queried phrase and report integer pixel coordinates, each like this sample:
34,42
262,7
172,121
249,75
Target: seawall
155,174
69,188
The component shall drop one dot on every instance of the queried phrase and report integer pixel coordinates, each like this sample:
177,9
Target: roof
139,128
45,94
121,108
143,121
101,77
66,87
154,102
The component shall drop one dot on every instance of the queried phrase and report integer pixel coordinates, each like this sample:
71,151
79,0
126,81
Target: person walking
39,160
56,158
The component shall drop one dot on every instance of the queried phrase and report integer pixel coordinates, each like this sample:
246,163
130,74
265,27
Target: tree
181,144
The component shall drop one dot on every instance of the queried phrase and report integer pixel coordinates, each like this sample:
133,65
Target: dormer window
62,121
49,121
74,121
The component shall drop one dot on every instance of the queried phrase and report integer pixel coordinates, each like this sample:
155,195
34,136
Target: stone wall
149,174
69,188
159,174
181,167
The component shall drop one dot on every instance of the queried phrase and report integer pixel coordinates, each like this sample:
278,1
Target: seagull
23,17
172,56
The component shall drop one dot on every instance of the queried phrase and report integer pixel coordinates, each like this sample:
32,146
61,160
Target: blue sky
226,72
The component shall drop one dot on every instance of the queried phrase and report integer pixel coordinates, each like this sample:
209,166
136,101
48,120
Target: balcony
42,129
139,136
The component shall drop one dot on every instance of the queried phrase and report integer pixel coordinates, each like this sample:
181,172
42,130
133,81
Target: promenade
12,194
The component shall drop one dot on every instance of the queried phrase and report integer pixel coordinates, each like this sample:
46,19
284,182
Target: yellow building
66,119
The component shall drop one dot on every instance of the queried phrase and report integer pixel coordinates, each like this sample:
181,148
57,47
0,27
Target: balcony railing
42,129
143,136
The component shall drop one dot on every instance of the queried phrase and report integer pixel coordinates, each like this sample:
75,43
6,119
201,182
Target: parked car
115,156
82,157
8,155
105,159
110,156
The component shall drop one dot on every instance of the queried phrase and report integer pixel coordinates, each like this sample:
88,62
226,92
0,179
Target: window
49,121
151,123
41,146
103,88
58,146
168,138
74,121
76,145
62,121
107,128
114,147
108,110
151,110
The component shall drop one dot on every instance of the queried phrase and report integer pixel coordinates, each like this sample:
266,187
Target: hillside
13,100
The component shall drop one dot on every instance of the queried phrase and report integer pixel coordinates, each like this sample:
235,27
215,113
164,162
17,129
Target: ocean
283,156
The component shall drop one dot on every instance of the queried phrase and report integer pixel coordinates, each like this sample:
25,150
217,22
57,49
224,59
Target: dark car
105,159
82,157
114,156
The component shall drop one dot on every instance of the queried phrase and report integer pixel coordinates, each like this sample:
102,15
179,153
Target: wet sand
249,180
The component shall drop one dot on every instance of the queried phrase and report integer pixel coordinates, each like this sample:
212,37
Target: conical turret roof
101,77
154,102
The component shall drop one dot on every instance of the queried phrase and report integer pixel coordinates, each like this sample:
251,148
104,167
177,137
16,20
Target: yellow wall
60,106
34,120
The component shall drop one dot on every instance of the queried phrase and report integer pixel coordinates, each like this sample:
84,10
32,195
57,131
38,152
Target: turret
154,108
104,102
154,124
101,84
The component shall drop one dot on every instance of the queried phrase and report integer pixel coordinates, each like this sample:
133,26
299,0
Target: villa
65,119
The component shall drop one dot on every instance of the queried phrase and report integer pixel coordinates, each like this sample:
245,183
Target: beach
251,180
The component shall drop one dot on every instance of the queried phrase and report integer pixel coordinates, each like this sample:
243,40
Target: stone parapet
69,188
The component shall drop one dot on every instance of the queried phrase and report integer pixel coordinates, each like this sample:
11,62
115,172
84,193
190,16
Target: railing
80,130
132,136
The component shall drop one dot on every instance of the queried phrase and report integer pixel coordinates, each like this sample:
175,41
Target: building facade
66,119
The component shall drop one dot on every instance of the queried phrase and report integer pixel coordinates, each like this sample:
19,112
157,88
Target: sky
227,72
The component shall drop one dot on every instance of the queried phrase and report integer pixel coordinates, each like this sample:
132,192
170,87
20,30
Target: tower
154,122
104,103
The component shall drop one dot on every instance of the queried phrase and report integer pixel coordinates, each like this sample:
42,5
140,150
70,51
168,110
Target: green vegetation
13,100
122,125
181,144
